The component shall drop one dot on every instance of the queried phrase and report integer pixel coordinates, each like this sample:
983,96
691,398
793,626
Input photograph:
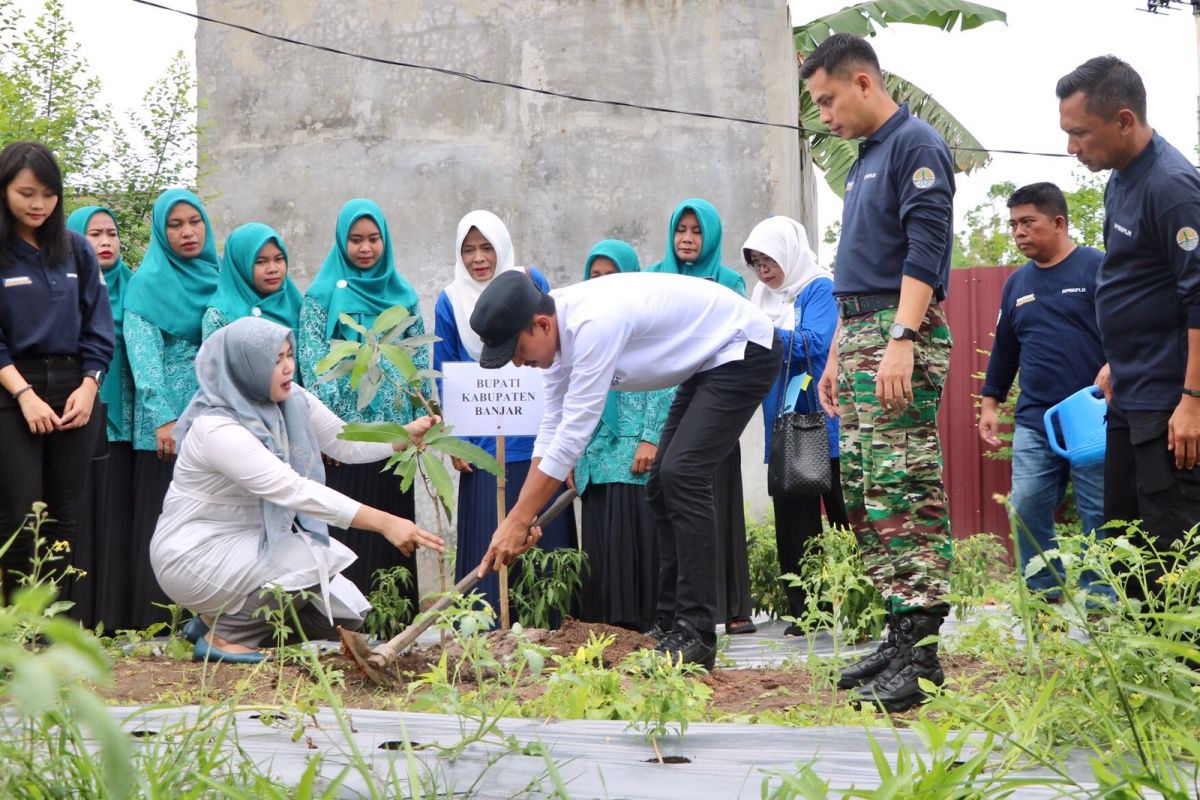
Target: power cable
546,92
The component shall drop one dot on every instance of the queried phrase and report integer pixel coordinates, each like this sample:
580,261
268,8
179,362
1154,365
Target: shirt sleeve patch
1187,238
923,178
1029,298
20,280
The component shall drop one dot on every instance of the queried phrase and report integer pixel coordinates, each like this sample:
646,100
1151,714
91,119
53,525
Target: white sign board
491,402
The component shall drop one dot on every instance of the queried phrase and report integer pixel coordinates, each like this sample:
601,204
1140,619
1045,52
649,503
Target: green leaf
389,319
386,432
410,473
339,349
362,362
473,454
440,478
400,359
368,387
349,322
417,342
864,19
340,371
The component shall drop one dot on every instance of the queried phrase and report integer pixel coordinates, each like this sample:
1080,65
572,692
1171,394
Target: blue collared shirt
898,215
1148,290
55,309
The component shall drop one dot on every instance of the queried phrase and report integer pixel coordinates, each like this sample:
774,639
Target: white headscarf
786,242
464,290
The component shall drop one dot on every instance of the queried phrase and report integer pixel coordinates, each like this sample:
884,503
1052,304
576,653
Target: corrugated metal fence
971,479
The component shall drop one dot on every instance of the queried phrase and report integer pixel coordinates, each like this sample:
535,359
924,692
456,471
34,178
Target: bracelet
1186,391
19,392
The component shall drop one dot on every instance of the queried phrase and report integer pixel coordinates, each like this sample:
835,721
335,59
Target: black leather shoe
685,644
870,665
897,688
660,630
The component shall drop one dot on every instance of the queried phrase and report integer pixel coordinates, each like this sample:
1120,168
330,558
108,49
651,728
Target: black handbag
799,460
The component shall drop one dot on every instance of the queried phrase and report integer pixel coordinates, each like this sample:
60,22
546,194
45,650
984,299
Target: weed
391,609
545,585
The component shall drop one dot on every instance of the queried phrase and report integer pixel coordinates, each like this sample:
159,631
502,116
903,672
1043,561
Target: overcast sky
997,80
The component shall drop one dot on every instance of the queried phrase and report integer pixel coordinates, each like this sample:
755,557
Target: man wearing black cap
636,332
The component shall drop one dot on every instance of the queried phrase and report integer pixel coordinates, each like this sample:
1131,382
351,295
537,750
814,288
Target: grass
1126,695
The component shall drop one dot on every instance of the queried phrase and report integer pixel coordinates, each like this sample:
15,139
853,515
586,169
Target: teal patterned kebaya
164,376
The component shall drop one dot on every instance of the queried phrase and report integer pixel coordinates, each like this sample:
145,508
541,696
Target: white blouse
205,547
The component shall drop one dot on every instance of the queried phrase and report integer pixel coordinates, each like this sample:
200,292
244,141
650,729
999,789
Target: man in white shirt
636,332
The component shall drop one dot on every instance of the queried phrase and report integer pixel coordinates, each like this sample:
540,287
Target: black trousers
709,413
49,467
797,522
1141,481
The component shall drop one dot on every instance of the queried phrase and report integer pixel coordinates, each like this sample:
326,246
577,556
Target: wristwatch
95,374
902,332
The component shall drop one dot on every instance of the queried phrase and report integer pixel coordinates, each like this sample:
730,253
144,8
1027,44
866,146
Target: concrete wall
291,133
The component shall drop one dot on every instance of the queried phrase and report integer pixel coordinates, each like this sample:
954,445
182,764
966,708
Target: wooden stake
501,513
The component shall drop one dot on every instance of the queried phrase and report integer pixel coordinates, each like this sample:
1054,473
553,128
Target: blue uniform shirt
55,309
1047,329
898,217
1148,291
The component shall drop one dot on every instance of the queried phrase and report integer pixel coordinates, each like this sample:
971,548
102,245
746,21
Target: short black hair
1045,197
1108,85
839,54
545,306
53,239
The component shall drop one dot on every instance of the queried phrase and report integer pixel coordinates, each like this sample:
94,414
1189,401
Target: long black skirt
733,565
151,479
477,522
367,484
620,537
104,594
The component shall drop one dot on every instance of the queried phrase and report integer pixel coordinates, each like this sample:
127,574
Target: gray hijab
234,368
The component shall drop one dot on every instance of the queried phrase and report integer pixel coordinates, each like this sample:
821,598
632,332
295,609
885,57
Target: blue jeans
1039,483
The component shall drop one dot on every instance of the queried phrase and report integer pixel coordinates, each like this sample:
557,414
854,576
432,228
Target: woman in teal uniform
254,281
359,278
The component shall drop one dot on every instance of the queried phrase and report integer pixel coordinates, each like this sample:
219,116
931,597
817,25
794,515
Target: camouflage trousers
892,461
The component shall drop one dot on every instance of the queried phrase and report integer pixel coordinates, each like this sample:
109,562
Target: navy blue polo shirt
1148,292
1047,329
898,214
55,309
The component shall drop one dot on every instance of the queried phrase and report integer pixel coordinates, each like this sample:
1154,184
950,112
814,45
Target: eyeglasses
762,266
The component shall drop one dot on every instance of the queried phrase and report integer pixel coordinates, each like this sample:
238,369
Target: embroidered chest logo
1187,238
923,178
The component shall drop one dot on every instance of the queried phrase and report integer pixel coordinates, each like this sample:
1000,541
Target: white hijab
786,242
464,291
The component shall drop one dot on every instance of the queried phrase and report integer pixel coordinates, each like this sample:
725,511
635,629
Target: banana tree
834,156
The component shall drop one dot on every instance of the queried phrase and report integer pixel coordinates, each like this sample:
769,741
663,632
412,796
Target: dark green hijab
708,265
364,294
169,290
236,296
626,259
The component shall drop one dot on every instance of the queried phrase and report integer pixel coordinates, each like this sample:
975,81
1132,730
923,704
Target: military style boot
872,664
897,688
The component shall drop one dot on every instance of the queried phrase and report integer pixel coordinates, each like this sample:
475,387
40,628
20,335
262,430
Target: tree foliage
49,94
833,155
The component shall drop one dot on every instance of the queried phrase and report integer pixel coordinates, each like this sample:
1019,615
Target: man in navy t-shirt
1046,329
886,372
1147,299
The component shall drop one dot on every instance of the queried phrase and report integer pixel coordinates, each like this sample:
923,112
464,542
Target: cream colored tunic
205,548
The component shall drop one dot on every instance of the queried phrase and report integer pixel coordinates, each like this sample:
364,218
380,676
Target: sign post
493,402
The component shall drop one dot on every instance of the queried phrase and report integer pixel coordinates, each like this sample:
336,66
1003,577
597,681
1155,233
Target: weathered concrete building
291,132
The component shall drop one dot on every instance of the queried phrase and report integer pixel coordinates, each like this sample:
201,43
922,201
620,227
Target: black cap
504,310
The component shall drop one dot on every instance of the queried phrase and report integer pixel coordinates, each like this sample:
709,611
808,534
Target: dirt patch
743,693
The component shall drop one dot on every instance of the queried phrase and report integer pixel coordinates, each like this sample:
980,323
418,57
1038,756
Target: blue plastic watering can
1082,423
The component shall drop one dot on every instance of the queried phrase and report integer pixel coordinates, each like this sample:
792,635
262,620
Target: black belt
856,305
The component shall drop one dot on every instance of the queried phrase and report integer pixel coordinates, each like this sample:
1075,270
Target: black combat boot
897,688
870,665
659,630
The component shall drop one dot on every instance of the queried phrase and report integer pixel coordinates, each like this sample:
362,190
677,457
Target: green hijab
364,294
626,259
708,265
236,296
169,290
116,277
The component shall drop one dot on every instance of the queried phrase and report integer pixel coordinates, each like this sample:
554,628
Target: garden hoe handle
381,657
